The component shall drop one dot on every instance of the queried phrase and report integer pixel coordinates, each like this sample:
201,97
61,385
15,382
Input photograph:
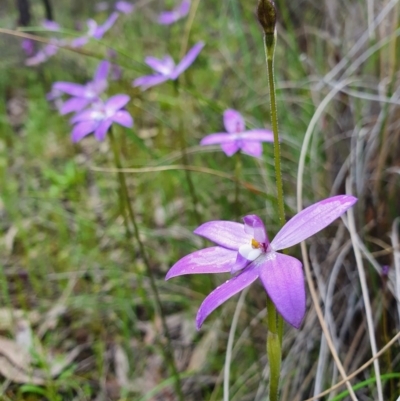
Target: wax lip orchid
179,12
95,31
166,68
99,118
237,138
83,95
244,250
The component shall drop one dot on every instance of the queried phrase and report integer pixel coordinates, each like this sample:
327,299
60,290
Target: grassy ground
75,287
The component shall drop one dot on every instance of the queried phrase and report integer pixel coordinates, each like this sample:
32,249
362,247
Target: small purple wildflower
247,250
237,137
166,68
100,117
83,95
179,12
95,31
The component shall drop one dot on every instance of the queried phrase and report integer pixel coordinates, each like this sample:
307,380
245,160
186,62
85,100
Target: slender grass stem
238,172
185,160
167,349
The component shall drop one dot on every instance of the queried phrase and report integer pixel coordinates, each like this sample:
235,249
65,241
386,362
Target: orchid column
266,14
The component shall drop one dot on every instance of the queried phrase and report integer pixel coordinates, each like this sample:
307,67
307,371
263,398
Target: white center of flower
251,251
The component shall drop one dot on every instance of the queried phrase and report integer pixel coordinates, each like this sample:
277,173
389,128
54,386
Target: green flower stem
238,172
166,348
185,160
275,323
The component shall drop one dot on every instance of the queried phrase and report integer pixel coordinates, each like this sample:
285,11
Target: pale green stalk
267,18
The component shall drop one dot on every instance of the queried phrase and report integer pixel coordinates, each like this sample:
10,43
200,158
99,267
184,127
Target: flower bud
266,14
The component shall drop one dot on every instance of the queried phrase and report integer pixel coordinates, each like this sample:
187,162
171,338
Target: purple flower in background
169,17
51,25
28,46
46,52
95,31
100,117
237,138
124,7
245,248
166,68
83,95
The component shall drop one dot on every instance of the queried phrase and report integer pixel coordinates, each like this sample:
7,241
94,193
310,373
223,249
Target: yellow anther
255,244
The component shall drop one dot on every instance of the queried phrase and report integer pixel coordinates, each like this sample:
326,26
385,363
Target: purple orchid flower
247,250
237,138
100,117
169,17
95,31
166,68
83,95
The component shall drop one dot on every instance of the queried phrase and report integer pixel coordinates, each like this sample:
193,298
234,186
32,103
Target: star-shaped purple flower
245,248
166,68
169,17
95,31
100,117
83,95
237,137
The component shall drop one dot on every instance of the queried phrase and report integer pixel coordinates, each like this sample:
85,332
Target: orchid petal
148,81
110,21
252,148
184,8
311,220
227,234
102,129
164,66
85,115
167,17
70,88
74,104
116,102
124,7
233,121
258,135
240,263
254,226
101,72
230,148
283,279
79,42
218,138
209,260
224,292
122,117
187,60
249,253
82,129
